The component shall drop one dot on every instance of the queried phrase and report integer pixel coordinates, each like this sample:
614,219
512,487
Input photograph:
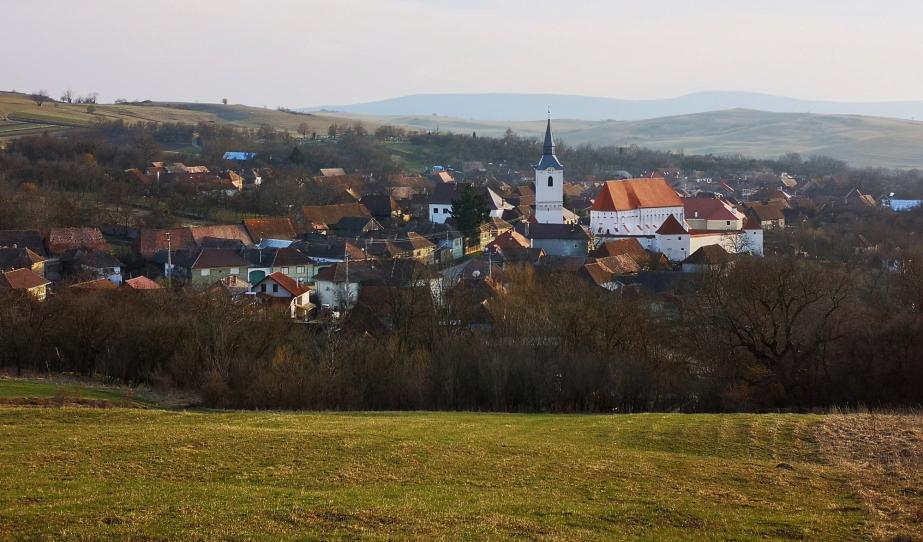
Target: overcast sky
304,53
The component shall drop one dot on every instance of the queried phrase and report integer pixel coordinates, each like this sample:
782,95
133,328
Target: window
446,211
205,272
550,180
275,288
235,270
729,222
435,210
285,270
299,270
263,288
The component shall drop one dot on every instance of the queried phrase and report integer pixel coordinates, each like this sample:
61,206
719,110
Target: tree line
756,334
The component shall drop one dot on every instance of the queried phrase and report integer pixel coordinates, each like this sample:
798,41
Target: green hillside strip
50,118
120,473
25,389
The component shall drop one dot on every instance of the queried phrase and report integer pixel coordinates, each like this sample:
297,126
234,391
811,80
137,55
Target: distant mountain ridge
525,107
856,139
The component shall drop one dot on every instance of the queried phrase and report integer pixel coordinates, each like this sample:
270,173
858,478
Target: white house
282,287
440,202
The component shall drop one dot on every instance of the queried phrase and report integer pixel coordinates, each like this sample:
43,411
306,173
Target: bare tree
303,129
40,97
784,315
68,96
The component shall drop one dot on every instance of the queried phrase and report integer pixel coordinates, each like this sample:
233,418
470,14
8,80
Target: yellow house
27,280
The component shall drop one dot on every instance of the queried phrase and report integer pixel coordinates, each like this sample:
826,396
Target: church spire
549,160
549,141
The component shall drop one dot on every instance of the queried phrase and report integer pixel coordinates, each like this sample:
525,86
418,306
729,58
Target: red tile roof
671,226
617,247
509,240
325,216
95,284
21,279
269,228
708,255
633,194
150,242
752,224
60,240
221,231
709,209
290,284
141,283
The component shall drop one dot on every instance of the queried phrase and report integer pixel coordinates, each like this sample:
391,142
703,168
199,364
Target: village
431,231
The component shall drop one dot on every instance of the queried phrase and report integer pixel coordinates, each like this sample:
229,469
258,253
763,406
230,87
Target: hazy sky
304,52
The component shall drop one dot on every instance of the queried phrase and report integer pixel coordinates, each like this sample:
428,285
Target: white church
549,184
650,211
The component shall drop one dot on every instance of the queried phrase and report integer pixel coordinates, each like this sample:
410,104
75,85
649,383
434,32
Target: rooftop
21,279
631,194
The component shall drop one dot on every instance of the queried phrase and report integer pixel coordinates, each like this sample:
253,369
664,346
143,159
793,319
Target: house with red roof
634,208
712,214
280,288
25,280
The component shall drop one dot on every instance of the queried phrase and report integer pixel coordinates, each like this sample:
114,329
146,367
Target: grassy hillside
20,115
860,141
120,473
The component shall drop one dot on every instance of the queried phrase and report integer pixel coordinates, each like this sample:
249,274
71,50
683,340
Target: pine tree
469,211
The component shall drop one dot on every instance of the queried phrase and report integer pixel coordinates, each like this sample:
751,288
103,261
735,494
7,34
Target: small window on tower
550,181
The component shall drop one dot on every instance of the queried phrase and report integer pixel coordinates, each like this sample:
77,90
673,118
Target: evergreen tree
469,211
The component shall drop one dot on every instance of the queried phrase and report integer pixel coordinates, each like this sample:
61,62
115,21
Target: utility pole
169,260
346,260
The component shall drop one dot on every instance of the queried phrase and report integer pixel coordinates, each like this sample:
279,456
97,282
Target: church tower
549,184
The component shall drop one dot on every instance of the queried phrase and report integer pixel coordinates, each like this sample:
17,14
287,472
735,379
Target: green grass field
38,390
120,473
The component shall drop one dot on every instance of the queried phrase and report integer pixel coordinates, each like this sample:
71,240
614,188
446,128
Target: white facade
549,196
549,184
675,247
440,212
632,223
679,246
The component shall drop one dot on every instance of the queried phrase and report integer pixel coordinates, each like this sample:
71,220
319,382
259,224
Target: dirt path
883,454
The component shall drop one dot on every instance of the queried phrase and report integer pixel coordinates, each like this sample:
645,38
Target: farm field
17,110
116,473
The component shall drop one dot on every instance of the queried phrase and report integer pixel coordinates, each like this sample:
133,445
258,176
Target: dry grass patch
883,454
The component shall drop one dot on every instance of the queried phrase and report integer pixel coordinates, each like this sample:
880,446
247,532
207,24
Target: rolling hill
522,107
857,140
19,115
